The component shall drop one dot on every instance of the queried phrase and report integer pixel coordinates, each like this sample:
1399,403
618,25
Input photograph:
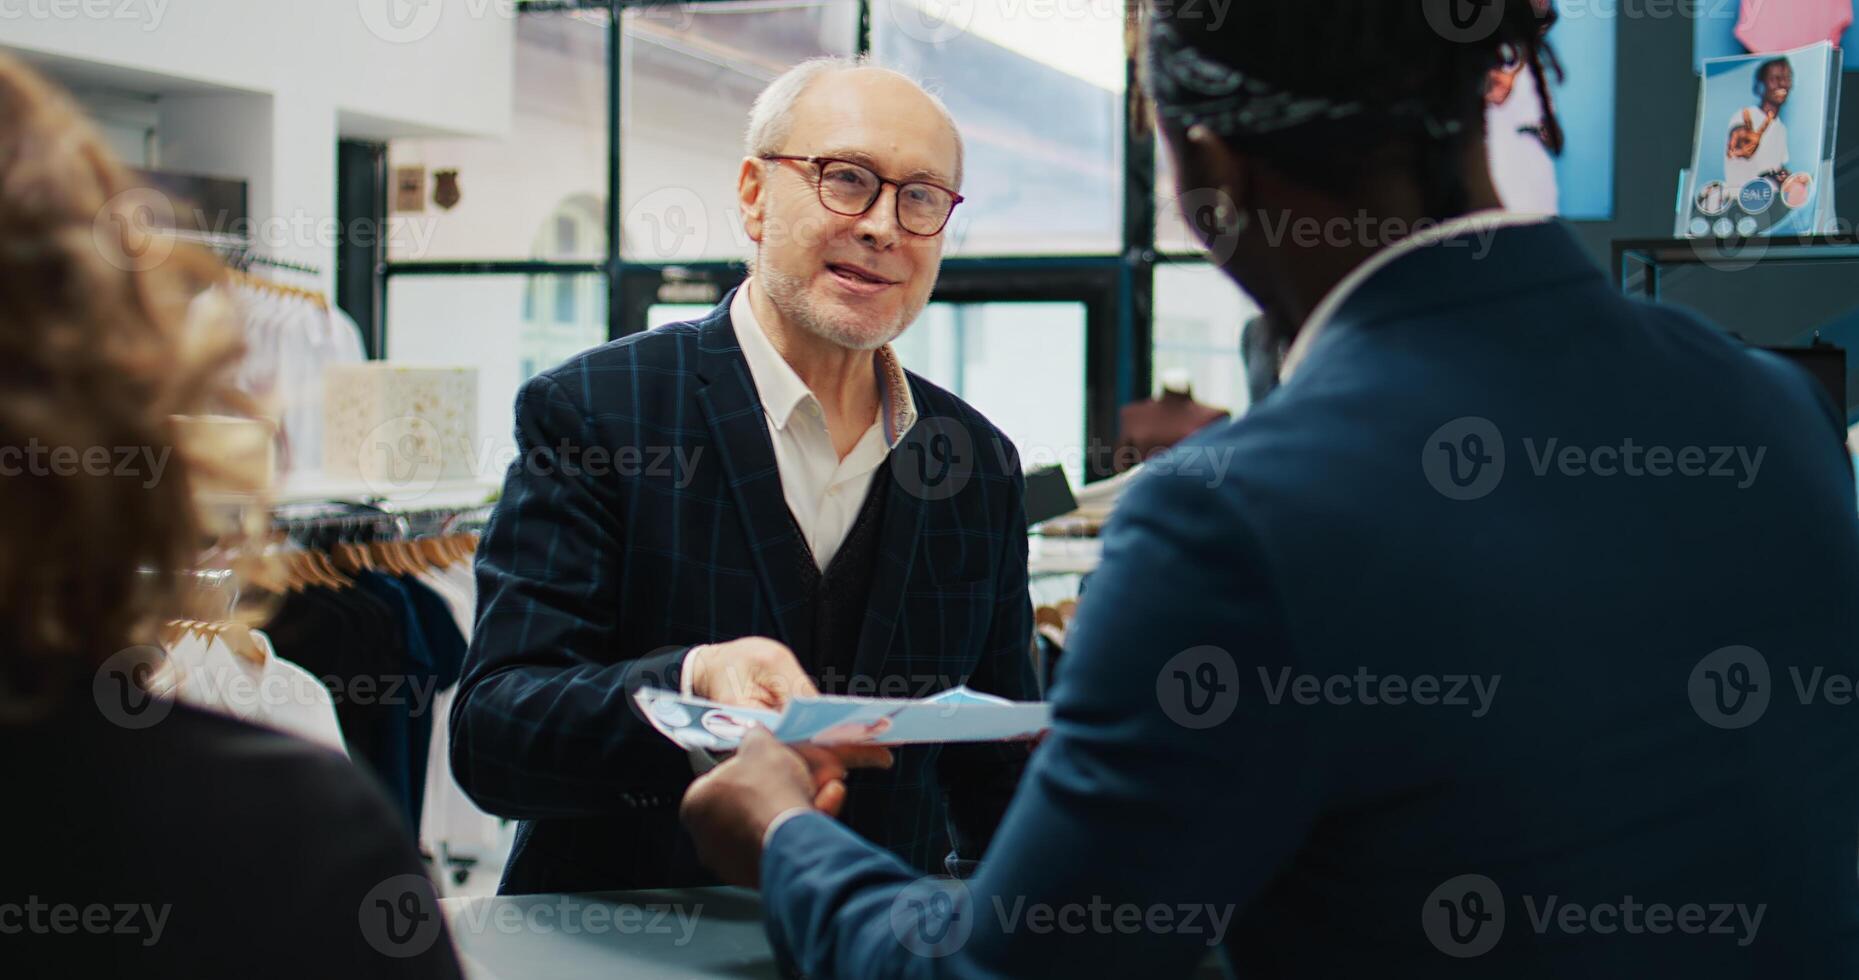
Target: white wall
261,89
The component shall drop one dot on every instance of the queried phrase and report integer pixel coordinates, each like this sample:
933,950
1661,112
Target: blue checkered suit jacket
644,515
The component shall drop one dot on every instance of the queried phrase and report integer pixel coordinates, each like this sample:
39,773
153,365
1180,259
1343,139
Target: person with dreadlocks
1486,655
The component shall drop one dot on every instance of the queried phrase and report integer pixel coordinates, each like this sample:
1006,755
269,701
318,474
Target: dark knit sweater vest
827,643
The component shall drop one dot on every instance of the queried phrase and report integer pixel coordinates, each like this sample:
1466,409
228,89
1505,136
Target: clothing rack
361,521
271,263
236,251
370,592
207,580
260,283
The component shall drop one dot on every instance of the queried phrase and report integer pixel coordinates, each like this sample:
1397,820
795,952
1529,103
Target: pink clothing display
1782,25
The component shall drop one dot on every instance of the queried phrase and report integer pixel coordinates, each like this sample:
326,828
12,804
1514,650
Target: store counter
694,932
691,932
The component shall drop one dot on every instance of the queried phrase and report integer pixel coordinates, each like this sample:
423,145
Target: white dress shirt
823,491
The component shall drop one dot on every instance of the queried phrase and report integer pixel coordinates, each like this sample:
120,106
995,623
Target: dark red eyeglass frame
819,189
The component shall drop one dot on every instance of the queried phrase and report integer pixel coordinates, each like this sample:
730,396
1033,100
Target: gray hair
771,118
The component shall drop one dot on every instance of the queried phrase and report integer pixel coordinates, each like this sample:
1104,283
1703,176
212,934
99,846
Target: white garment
451,826
458,587
1521,166
1478,222
1772,154
276,693
290,341
823,491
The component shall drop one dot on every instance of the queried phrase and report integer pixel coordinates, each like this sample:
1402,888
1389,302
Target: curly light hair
97,352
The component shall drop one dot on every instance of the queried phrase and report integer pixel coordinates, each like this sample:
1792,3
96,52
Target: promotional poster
1765,134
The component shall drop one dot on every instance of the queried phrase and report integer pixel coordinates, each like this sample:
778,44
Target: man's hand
729,808
754,672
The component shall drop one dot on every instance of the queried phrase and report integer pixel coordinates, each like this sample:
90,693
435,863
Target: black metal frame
1655,255
1116,290
361,202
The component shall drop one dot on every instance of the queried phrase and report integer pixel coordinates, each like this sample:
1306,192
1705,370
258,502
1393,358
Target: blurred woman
144,835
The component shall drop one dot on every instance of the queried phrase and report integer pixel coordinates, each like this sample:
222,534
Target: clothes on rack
389,645
292,335
385,620
203,671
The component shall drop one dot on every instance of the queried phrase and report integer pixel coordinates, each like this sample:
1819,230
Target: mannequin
1149,426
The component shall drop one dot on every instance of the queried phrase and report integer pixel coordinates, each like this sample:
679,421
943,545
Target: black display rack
1654,255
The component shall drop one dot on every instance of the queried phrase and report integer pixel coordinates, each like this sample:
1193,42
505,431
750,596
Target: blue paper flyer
955,715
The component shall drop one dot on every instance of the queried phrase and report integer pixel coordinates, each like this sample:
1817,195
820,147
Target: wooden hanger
265,285
236,637
315,568
303,569
239,639
298,565
410,557
388,555
435,552
397,553
450,549
323,571
350,558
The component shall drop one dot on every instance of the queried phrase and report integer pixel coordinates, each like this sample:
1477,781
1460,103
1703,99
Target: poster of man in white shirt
1758,139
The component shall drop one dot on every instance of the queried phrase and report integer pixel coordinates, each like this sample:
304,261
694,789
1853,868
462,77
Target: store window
453,199
664,314
568,306
1019,364
691,73
1199,314
1037,91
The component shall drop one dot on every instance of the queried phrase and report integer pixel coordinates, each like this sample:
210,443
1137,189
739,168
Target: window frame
1116,289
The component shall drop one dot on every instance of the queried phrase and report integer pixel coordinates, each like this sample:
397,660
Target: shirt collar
783,392
781,389
1478,221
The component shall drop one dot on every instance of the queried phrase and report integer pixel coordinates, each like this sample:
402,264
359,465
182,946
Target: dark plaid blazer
644,515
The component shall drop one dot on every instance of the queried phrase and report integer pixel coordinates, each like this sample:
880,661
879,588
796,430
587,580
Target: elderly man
840,525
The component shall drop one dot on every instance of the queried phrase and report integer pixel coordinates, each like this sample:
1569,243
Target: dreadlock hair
1369,84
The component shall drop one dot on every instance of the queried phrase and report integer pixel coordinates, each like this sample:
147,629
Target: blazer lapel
897,552
733,411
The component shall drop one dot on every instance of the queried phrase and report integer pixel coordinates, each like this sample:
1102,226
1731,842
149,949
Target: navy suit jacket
1622,757
644,515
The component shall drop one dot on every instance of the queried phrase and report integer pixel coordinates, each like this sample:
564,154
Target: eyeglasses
851,189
